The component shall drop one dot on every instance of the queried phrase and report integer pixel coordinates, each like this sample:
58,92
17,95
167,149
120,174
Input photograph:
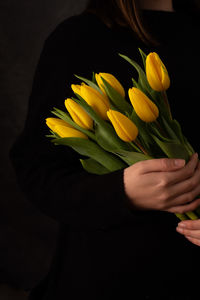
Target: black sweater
107,249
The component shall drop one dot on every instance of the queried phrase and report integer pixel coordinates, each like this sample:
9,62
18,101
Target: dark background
27,237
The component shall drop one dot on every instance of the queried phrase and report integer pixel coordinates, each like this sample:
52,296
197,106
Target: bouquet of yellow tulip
113,132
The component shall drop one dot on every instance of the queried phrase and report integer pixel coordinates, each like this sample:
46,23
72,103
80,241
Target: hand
191,230
164,184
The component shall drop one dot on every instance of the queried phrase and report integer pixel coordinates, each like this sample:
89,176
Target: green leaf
172,134
177,129
158,131
116,98
188,146
92,150
143,131
135,84
142,76
144,56
94,78
51,136
131,157
173,150
92,166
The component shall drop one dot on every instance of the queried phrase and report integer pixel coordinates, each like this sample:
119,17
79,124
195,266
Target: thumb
163,164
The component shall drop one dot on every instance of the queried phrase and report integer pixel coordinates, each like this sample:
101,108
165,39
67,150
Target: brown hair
128,13
122,13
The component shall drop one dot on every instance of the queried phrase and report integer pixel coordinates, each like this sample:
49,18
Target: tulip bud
124,127
143,106
99,102
53,122
64,131
112,81
77,88
78,114
156,73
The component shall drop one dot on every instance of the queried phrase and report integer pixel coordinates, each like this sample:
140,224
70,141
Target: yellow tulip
77,88
64,131
78,114
99,102
156,72
124,127
112,80
53,122
143,106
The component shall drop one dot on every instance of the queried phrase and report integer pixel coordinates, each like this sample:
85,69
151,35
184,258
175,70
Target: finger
183,173
183,199
181,209
190,224
191,233
187,185
193,240
161,164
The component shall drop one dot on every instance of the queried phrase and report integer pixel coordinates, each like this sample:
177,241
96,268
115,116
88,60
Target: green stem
135,147
182,217
192,215
164,94
161,129
141,147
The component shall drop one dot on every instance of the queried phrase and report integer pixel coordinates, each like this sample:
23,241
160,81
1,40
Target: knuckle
165,195
161,198
163,181
164,163
139,166
189,225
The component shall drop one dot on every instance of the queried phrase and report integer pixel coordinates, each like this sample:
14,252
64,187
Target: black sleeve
52,177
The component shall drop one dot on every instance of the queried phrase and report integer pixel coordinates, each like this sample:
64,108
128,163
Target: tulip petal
165,79
112,80
156,73
153,73
78,114
143,106
76,88
98,102
52,122
124,127
64,131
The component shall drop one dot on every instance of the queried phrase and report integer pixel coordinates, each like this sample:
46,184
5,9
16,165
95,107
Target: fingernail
179,162
181,225
179,229
195,155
